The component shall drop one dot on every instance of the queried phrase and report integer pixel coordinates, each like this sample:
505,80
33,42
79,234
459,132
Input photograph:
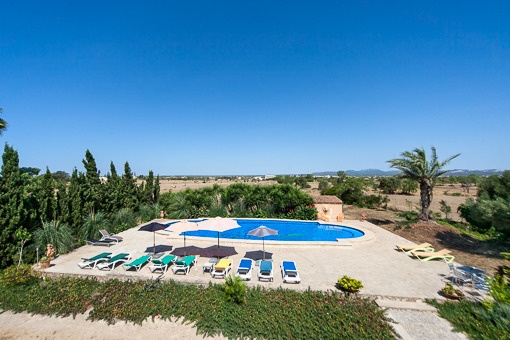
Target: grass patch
477,321
267,313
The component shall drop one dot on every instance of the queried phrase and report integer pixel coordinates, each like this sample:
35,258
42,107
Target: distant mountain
381,173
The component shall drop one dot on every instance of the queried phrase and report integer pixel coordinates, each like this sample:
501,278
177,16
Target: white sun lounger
290,273
113,261
266,270
244,269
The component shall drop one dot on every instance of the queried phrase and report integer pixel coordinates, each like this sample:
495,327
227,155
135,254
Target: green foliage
123,219
415,166
149,212
475,320
267,314
18,275
445,208
349,284
389,185
408,186
14,205
492,207
234,289
55,233
92,224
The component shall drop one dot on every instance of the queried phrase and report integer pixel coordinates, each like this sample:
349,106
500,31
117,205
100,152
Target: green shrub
349,284
15,275
234,289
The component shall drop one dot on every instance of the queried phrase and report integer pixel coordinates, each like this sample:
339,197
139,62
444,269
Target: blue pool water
287,231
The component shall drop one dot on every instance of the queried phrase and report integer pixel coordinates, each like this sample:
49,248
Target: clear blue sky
254,87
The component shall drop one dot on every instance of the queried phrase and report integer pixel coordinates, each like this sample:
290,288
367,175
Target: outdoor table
472,271
156,256
208,266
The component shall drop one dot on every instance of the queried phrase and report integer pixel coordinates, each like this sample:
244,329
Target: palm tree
3,123
414,165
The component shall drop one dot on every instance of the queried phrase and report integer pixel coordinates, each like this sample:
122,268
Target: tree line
40,209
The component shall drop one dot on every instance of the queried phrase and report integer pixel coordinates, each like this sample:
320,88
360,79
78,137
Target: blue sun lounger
244,269
290,272
91,262
266,270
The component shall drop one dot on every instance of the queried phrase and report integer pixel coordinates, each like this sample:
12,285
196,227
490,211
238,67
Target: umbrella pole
184,243
218,245
263,249
154,246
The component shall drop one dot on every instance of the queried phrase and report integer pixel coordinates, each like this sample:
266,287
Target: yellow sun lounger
222,268
407,248
443,254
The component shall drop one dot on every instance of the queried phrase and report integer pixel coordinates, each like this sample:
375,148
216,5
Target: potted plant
349,284
451,293
44,262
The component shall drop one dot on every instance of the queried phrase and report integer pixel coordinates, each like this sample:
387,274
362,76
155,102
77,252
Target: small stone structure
329,208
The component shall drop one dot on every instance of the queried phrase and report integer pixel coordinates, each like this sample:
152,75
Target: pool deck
385,272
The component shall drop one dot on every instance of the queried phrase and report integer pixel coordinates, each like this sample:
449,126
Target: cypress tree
46,197
156,190
13,213
128,189
148,190
111,201
92,192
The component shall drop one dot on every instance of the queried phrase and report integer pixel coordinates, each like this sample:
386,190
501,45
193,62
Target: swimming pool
288,230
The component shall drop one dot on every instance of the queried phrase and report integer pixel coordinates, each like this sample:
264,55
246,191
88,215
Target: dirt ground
467,250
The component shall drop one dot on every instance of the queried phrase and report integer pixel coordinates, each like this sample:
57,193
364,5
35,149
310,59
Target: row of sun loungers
108,261
424,252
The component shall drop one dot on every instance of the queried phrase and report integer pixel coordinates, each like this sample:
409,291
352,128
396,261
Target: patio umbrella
160,248
153,226
191,250
258,255
263,231
222,251
218,224
182,227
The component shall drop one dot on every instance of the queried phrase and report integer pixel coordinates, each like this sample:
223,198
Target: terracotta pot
45,264
457,296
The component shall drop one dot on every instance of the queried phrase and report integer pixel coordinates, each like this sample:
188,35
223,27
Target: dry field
467,250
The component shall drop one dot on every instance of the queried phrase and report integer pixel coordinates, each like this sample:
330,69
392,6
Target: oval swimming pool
288,230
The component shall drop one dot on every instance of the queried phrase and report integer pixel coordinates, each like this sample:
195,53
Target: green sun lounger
138,263
93,261
113,261
163,263
184,264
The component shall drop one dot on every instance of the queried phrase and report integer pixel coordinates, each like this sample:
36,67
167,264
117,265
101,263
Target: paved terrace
373,259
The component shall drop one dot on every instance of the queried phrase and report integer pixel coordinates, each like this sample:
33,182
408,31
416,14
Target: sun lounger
184,264
443,254
91,262
104,243
407,248
138,263
222,268
244,269
107,236
266,270
290,272
163,263
113,261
